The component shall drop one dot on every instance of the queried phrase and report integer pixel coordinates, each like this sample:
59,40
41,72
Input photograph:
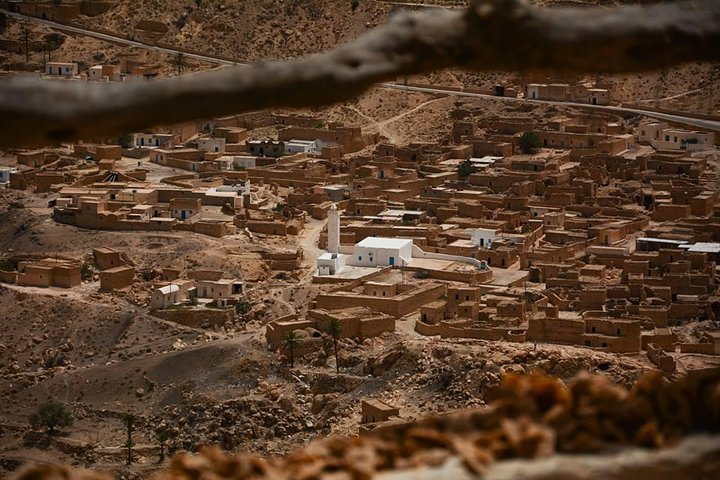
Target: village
303,268
583,230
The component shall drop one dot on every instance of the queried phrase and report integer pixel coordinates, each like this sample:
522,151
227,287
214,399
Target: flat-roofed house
184,208
61,69
376,411
381,252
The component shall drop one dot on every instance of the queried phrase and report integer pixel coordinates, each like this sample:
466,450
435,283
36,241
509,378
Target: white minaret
333,244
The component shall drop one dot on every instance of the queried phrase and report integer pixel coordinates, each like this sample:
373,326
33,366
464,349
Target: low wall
662,360
360,281
426,329
448,330
471,278
284,265
419,253
396,306
197,318
701,348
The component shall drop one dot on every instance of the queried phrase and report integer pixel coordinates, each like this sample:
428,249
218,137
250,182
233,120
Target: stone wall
701,348
662,360
197,317
397,306
469,330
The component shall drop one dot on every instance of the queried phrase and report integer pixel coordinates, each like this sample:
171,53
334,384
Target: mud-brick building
106,258
49,272
376,411
356,322
618,335
116,278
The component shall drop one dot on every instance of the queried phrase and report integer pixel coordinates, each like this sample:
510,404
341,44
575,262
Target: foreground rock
527,432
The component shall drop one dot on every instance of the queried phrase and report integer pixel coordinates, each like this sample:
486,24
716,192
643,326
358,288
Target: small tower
332,262
333,243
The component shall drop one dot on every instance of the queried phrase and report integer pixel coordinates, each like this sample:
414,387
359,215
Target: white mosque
384,251
370,252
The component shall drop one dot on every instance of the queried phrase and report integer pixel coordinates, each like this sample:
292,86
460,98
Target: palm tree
335,330
129,420
291,341
180,62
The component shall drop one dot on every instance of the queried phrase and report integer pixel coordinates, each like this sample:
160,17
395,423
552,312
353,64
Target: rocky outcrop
647,433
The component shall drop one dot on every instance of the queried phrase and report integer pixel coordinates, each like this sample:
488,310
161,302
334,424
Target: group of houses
602,234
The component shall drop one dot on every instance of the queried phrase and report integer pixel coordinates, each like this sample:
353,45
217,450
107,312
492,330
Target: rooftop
705,247
383,242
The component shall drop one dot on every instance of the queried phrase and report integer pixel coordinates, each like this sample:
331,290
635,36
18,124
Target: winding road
117,39
691,121
679,119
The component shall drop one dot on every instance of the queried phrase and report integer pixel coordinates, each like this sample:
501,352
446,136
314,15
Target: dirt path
672,97
390,133
380,128
382,125
408,112
308,242
79,293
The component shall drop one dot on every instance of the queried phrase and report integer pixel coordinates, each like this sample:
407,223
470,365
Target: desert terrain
105,354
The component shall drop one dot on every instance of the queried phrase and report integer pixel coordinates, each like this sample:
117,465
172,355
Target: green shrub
52,417
465,169
529,142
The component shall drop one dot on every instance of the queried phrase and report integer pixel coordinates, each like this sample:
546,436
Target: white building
211,144
663,137
483,162
5,175
647,132
681,139
163,297
300,146
484,237
598,96
237,189
532,91
370,252
61,69
153,139
336,193
332,262
381,252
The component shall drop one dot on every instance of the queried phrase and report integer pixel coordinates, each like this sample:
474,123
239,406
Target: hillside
251,30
